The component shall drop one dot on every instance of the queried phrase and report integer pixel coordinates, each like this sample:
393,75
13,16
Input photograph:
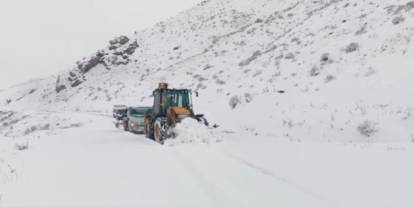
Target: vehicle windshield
120,111
180,99
137,111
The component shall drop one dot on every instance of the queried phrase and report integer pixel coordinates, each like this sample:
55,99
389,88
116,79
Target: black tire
158,137
126,128
148,131
159,134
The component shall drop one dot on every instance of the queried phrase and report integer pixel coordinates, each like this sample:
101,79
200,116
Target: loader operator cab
166,98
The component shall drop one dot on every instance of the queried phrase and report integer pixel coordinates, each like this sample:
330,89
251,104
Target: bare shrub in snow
370,72
325,57
352,47
21,146
362,30
45,127
409,5
234,101
290,56
30,130
257,73
397,9
259,20
296,40
206,67
220,82
398,20
250,59
75,125
329,78
203,3
248,97
368,128
200,86
315,71
200,78
237,100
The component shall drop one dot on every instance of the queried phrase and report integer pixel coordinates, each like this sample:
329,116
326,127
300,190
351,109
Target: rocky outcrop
116,54
59,87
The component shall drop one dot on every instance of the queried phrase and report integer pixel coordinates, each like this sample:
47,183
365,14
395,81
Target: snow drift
190,131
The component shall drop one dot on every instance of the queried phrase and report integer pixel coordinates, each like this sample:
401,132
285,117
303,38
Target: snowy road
97,165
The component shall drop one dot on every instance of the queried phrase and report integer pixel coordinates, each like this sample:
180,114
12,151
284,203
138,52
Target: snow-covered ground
98,165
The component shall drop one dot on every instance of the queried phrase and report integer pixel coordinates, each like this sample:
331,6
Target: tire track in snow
216,194
272,175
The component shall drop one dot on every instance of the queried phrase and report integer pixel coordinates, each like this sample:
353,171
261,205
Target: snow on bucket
191,131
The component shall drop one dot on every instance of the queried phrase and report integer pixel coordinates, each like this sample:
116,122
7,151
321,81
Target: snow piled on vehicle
190,131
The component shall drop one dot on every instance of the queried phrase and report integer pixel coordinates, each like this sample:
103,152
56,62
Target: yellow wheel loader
169,108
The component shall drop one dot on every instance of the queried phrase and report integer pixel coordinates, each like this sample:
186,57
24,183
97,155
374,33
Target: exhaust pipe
163,85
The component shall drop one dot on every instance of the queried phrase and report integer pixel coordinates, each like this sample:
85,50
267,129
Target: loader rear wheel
147,131
148,128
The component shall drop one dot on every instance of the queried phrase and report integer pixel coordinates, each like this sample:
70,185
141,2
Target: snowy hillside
326,70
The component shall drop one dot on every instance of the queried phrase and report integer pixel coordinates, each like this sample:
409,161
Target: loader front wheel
158,135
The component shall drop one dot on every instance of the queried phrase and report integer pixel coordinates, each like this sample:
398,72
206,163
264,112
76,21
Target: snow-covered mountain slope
326,70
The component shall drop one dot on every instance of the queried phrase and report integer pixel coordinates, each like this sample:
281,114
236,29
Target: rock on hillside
117,53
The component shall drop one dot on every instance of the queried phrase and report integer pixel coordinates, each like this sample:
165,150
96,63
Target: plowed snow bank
190,131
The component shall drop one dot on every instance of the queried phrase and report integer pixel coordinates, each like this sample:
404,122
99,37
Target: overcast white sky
42,37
